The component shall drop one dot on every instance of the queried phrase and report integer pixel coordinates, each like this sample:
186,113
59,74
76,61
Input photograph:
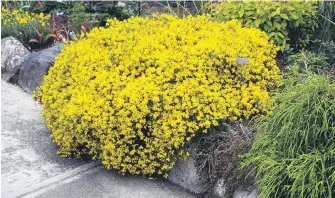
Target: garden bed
144,86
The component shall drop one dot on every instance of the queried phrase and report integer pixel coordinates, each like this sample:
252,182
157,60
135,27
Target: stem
178,8
327,19
196,7
201,6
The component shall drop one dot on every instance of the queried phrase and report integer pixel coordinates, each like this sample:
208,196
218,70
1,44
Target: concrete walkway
30,166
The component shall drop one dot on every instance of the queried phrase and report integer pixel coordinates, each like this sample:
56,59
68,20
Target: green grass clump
293,154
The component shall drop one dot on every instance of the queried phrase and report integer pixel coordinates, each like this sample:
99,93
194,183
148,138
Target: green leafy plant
288,24
293,153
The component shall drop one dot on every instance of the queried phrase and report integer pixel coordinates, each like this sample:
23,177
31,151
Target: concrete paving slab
28,156
102,183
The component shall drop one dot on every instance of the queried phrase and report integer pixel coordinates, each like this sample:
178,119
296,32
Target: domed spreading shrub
134,93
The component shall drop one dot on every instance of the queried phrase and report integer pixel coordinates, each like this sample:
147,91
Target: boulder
35,67
185,175
12,55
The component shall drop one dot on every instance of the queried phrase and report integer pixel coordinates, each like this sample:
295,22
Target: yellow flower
23,18
3,10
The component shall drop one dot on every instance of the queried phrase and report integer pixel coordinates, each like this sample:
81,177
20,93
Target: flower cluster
24,26
133,93
22,17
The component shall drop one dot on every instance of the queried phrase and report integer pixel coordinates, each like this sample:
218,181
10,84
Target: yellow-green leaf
241,12
257,22
284,16
274,13
277,25
294,15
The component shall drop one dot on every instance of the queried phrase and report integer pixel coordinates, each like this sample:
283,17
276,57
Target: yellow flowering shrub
24,25
134,93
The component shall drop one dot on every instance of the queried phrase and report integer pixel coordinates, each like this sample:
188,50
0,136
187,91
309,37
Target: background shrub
132,94
288,24
294,151
95,16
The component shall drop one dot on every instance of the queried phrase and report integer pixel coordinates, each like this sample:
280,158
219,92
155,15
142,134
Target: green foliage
288,24
116,12
293,154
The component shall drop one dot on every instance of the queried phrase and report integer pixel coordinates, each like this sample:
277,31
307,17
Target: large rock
35,67
12,55
185,175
